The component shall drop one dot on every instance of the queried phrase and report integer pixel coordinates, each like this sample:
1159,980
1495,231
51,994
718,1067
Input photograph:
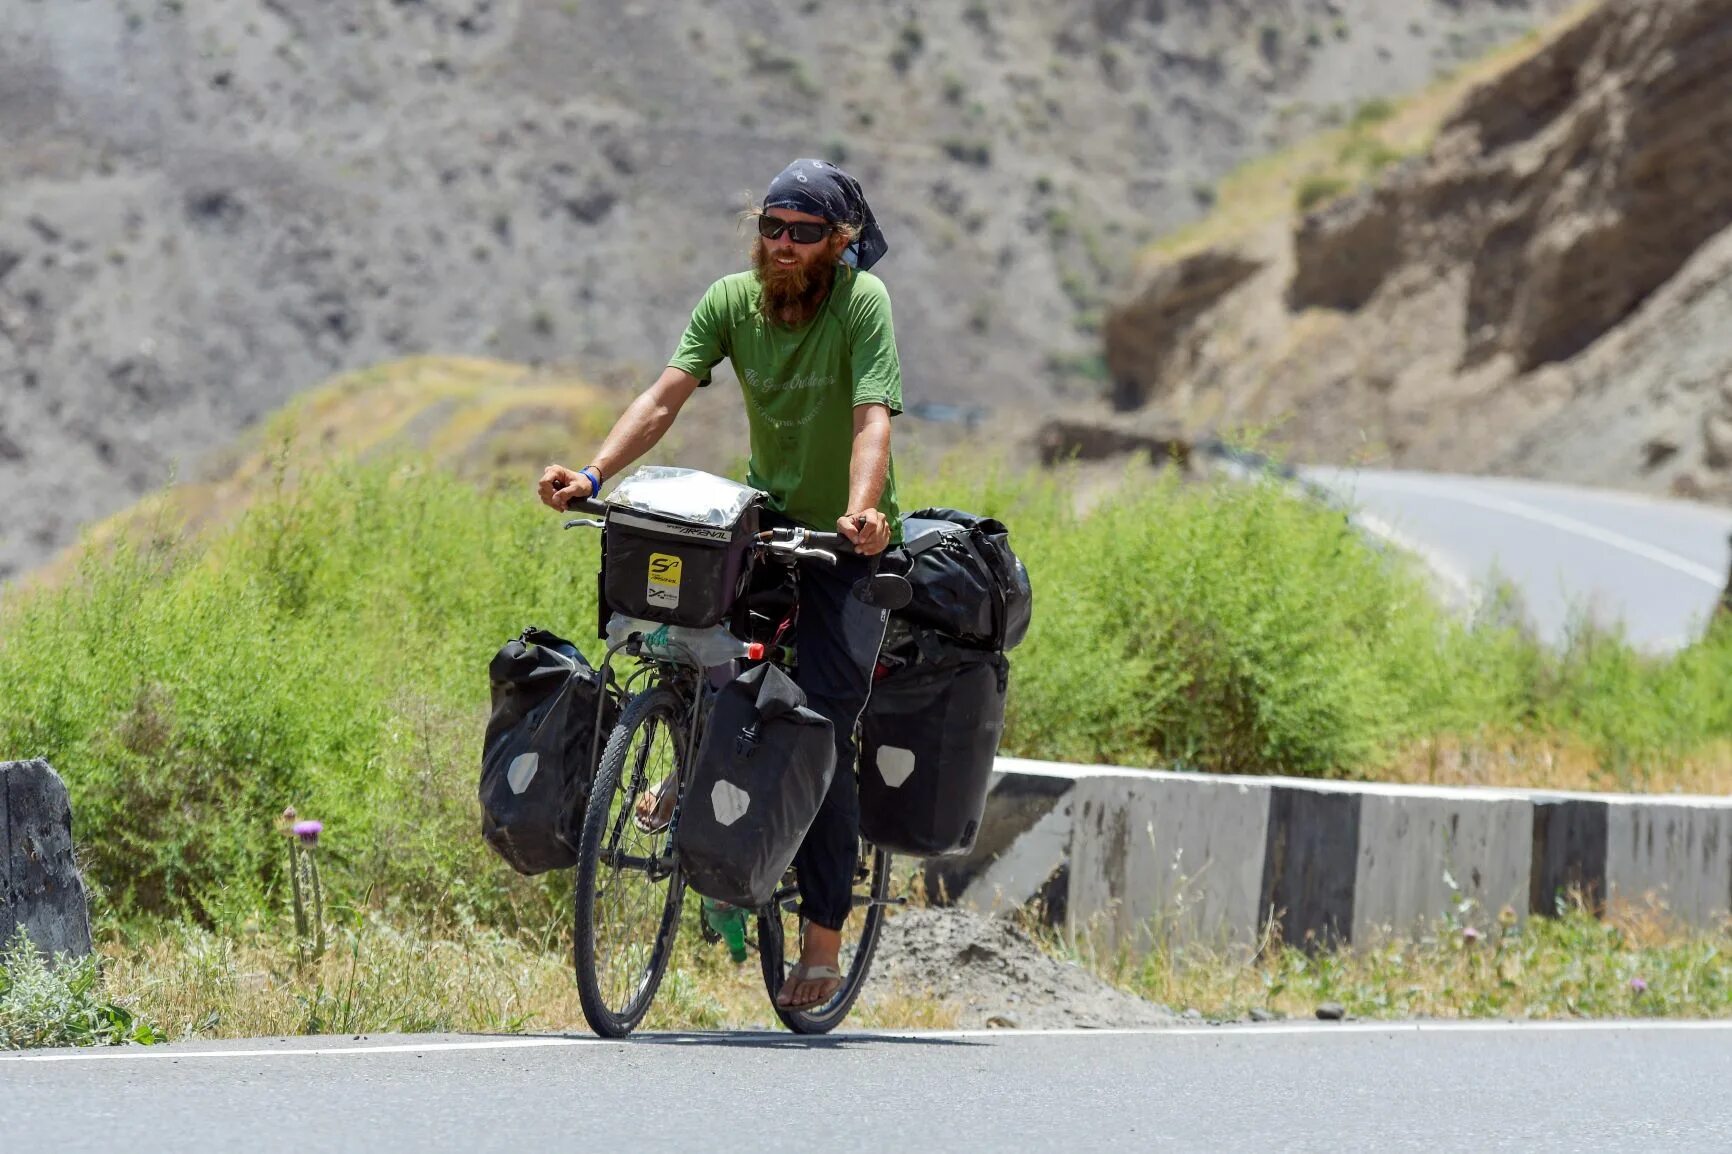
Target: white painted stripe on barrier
1371,788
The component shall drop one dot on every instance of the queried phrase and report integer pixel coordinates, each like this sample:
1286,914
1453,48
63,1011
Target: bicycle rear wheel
629,886
779,944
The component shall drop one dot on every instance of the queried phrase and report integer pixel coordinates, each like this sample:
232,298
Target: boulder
40,887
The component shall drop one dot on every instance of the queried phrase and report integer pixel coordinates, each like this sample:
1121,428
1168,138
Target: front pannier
676,545
929,737
761,774
968,584
536,758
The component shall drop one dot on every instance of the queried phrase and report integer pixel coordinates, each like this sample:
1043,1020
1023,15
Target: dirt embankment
1543,293
995,976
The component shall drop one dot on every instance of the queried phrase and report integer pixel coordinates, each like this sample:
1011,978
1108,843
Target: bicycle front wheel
629,886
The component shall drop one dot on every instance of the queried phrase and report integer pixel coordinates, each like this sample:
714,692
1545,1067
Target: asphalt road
1303,1086
1657,566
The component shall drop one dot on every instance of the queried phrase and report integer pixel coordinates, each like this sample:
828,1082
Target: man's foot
816,978
655,806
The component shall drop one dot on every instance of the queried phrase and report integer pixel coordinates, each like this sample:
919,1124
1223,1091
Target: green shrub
60,1004
1314,190
329,652
1372,113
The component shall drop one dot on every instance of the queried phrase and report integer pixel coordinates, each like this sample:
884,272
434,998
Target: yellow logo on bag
664,579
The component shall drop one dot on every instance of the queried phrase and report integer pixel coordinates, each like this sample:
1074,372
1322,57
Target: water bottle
709,648
730,923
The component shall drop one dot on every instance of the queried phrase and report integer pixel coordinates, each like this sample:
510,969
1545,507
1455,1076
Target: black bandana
822,189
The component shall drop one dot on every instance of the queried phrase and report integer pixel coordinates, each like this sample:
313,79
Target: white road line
1235,1031
150,1052
1521,509
1460,588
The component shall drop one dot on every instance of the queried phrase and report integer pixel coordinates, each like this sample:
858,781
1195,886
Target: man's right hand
560,486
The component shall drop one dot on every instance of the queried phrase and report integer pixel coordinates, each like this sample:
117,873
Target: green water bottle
730,923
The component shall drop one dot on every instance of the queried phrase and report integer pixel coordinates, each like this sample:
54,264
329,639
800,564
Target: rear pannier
676,545
762,772
929,737
536,760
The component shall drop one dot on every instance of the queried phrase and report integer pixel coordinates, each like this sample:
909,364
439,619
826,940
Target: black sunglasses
799,231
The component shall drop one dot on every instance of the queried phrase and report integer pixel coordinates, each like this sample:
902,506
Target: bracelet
593,475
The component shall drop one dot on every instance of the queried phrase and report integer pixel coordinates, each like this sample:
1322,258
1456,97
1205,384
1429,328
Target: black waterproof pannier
536,760
676,545
761,774
968,585
929,736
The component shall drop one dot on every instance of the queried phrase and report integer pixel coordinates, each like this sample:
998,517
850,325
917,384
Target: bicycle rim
626,916
779,946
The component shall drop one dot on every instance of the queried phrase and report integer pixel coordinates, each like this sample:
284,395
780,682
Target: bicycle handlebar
799,541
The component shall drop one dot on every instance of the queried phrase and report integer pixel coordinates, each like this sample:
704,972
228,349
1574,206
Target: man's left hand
868,529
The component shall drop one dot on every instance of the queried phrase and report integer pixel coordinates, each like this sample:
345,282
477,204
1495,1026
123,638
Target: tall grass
329,650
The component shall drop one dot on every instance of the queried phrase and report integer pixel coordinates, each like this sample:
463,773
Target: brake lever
585,523
817,555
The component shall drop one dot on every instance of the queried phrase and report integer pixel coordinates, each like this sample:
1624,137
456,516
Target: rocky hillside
212,204
1543,293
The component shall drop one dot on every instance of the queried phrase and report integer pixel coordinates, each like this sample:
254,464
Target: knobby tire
623,769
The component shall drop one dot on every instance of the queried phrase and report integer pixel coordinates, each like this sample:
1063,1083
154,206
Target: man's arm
637,431
868,467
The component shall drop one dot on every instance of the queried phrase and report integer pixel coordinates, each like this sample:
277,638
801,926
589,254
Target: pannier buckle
746,743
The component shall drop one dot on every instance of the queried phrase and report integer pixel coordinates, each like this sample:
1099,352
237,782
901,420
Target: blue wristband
593,475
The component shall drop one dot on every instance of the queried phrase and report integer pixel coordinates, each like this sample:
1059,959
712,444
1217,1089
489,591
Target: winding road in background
1299,1086
1657,566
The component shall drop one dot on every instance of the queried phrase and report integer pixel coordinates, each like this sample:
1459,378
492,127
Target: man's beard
792,295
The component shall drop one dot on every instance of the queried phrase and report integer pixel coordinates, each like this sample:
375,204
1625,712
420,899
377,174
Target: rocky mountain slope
209,205
1544,293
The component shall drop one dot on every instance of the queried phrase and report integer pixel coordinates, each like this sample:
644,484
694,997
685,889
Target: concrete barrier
1167,856
40,888
1129,857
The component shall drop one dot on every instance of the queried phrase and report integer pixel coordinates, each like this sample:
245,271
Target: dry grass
1265,190
1634,963
380,977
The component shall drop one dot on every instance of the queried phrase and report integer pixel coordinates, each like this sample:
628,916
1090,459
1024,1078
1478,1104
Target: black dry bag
968,585
761,774
535,762
930,735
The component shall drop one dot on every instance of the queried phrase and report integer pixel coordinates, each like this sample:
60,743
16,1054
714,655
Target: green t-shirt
801,386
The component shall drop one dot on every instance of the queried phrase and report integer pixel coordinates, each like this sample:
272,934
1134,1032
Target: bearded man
808,333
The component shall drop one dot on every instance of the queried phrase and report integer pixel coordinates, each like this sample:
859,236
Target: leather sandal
828,977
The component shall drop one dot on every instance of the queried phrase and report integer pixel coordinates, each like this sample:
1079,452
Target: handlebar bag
762,772
968,584
536,760
928,740
676,545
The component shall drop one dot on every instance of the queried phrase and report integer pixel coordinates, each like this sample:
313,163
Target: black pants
837,637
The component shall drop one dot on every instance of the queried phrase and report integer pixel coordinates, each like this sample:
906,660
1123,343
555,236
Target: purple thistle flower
309,831
1469,936
1638,986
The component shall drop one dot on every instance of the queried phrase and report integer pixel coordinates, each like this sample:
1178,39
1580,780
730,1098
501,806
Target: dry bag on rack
968,585
929,737
761,774
535,761
676,545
